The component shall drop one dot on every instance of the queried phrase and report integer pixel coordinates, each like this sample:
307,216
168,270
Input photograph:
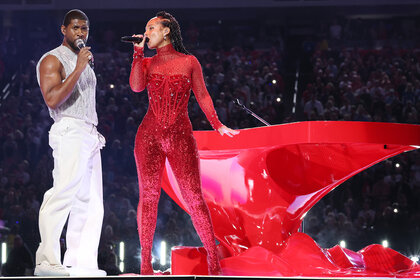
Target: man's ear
63,30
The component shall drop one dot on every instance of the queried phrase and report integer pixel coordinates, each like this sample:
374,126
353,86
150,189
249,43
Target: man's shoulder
50,57
49,60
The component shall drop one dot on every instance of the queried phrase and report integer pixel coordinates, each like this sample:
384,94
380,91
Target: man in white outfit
68,83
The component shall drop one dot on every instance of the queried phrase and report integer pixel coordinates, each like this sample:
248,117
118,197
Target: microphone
81,44
131,39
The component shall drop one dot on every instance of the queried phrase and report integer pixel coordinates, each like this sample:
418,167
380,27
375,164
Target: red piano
260,184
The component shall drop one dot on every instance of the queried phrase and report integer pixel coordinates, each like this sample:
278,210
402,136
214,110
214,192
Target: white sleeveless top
81,104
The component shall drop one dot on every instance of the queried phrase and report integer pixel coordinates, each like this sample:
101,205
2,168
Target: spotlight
395,210
278,99
163,253
111,86
343,244
122,256
414,258
385,243
397,165
3,252
274,82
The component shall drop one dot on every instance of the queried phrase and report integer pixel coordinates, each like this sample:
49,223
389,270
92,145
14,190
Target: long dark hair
175,34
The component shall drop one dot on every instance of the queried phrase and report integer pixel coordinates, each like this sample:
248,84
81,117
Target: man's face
77,29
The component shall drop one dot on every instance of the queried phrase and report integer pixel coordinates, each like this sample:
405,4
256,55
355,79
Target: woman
166,132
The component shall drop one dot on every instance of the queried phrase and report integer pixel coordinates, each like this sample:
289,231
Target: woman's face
155,32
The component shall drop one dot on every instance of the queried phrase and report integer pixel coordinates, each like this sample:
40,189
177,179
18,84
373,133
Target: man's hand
83,58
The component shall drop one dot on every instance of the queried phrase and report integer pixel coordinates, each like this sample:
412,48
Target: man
68,86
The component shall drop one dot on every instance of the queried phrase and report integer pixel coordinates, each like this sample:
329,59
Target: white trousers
76,194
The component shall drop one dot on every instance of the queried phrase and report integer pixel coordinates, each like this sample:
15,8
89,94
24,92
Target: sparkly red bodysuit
166,132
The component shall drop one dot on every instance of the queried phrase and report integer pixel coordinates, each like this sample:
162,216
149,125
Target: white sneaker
46,269
81,271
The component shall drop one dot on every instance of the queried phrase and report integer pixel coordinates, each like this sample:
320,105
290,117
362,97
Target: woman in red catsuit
166,132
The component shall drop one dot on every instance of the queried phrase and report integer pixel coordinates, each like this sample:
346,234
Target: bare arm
54,90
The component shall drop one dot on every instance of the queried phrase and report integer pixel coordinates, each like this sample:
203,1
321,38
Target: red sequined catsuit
166,132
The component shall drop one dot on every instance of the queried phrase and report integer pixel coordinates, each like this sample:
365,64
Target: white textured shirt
81,104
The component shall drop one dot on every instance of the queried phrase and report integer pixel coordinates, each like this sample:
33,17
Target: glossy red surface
260,184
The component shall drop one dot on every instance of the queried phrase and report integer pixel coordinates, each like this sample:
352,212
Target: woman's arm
204,99
138,74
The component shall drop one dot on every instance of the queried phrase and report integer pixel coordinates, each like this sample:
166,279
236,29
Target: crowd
379,80
348,84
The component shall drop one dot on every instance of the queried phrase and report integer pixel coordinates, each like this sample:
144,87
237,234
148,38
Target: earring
164,37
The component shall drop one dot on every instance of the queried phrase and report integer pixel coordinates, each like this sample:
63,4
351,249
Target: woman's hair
175,35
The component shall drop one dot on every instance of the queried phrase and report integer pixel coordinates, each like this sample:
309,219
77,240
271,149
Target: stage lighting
343,244
122,256
278,99
3,252
414,258
274,82
385,243
397,165
111,86
395,210
163,253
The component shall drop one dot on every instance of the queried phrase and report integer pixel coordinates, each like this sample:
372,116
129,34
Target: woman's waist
166,120
167,117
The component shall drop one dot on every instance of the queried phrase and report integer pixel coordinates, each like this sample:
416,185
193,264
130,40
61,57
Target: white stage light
3,252
122,251
122,256
343,244
397,165
274,82
111,86
414,258
395,210
385,243
278,99
163,253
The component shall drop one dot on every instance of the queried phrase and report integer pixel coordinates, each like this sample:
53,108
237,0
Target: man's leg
70,163
85,221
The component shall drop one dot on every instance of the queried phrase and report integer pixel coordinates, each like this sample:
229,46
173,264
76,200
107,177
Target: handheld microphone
81,44
131,39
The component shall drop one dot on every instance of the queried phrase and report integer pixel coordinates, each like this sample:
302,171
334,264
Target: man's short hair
74,14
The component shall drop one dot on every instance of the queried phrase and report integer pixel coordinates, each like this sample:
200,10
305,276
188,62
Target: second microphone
131,39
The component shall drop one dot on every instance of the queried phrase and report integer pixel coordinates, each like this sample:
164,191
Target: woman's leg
150,160
184,160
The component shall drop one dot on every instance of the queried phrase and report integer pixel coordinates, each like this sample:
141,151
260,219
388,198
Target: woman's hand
226,130
141,44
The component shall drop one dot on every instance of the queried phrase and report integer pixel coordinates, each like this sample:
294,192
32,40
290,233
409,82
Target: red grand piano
260,184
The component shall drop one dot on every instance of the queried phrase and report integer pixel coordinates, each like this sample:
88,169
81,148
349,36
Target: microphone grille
80,43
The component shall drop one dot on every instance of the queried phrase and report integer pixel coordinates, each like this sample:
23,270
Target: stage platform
193,277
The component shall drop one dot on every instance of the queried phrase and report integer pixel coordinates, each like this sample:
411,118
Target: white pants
76,194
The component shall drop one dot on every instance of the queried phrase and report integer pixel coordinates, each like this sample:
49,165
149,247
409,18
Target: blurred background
287,61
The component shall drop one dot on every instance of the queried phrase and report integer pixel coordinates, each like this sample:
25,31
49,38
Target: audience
347,83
